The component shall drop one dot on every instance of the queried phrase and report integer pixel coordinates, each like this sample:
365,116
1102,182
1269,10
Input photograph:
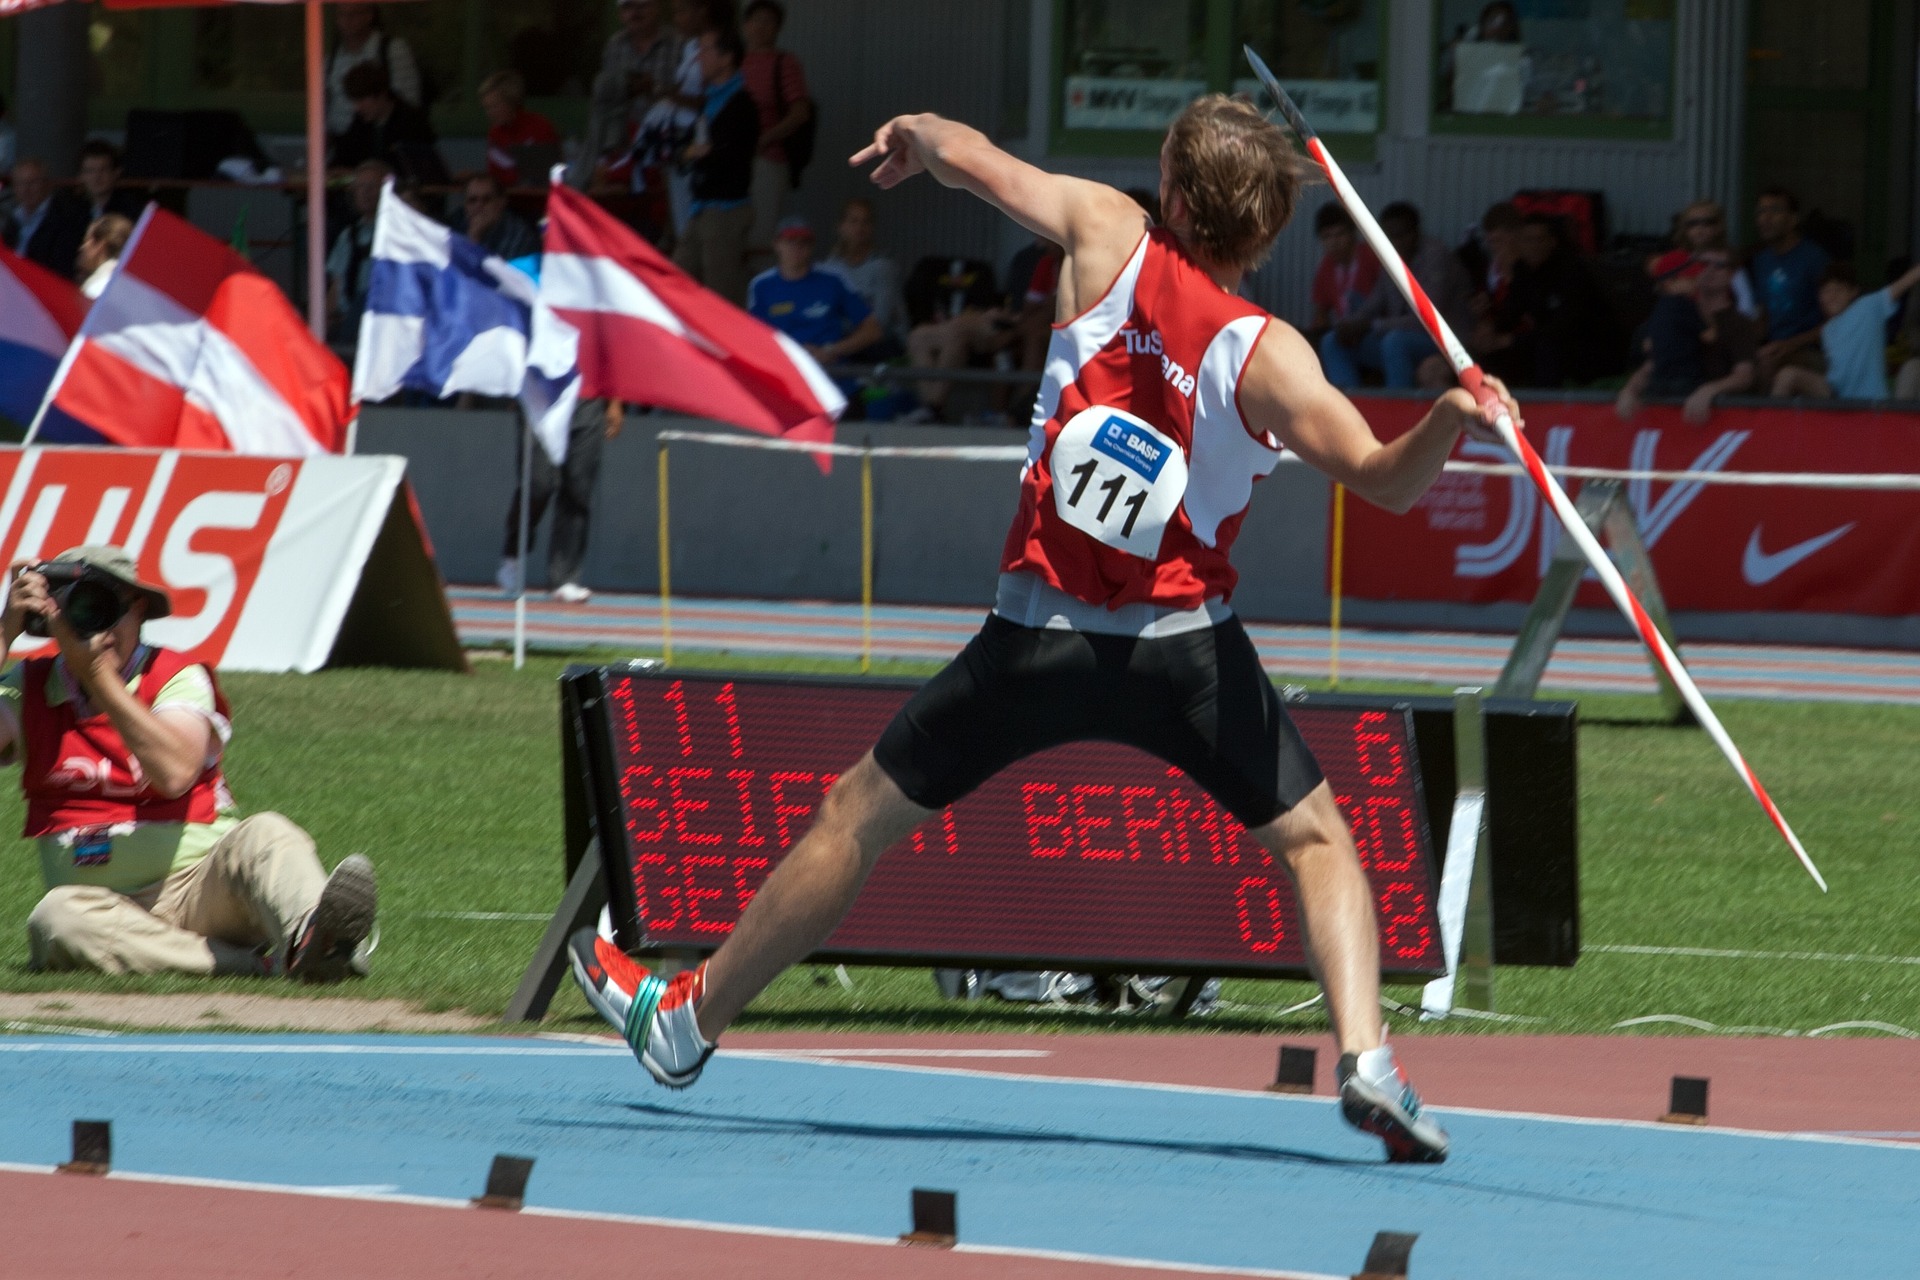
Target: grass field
451,784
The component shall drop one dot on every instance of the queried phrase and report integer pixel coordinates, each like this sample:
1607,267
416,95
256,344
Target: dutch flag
39,314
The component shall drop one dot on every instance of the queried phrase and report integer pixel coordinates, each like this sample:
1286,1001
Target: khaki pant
253,889
713,250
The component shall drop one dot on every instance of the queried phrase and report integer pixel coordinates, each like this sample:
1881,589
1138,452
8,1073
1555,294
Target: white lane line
475,915
1720,953
302,1050
379,1195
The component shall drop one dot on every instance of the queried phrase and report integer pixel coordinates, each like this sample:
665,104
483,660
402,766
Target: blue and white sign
1132,447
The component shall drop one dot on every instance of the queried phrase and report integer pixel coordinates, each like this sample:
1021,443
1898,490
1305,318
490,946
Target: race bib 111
1117,479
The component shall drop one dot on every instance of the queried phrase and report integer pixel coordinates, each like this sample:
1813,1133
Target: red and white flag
649,334
190,348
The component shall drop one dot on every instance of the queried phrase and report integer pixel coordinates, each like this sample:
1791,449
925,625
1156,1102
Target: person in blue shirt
1786,271
1854,339
815,308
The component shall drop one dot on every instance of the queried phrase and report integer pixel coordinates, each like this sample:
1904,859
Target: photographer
149,868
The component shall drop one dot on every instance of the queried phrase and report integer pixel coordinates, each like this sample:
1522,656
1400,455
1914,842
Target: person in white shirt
874,277
362,39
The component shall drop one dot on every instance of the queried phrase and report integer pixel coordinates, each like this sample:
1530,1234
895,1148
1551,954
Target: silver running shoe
656,1015
1388,1108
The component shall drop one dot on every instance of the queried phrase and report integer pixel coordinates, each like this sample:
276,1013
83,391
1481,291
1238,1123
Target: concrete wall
769,525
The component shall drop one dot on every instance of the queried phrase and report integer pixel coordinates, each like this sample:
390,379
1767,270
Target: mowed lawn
451,784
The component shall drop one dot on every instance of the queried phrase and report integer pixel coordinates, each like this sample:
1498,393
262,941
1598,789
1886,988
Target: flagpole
526,499
316,173
72,352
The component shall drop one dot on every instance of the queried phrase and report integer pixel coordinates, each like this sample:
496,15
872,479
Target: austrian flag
190,348
648,333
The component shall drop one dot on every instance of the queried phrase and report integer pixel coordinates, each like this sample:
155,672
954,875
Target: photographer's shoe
656,1015
323,946
1376,1098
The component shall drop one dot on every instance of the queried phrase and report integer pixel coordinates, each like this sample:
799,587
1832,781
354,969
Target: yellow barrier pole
666,567
1339,559
866,561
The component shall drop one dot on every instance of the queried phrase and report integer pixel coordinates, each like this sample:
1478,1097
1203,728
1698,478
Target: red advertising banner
1734,548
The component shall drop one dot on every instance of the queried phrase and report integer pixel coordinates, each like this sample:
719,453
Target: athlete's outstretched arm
1283,391
1065,210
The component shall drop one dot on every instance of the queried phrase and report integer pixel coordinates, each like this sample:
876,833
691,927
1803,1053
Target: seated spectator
99,183
148,865
636,71
1786,271
1696,343
486,220
713,245
778,84
1346,273
350,261
874,277
100,252
1701,228
510,126
387,129
42,229
1383,335
957,315
361,40
816,308
1553,326
1853,340
1489,258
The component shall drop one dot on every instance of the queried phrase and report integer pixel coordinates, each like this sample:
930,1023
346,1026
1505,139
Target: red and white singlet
1139,466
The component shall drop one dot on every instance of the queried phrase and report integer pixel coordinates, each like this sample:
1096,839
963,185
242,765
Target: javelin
1471,379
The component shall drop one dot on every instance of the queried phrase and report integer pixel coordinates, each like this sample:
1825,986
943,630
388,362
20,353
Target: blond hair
509,84
1238,176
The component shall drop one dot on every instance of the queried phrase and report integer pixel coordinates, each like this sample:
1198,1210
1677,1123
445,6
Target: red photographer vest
78,773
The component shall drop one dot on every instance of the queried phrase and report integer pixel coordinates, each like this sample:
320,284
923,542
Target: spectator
1383,334
1854,339
1786,271
957,315
1347,269
350,261
713,248
1700,229
100,252
594,422
816,308
778,84
42,229
387,129
99,183
875,278
362,41
636,70
1554,326
510,126
9,140
148,865
1696,343
1490,257
488,222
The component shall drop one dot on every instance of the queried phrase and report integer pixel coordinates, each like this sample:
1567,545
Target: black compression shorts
1199,700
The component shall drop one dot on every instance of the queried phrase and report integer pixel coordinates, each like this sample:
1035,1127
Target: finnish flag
443,315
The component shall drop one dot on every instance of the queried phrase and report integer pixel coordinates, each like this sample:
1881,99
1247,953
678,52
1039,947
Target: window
1579,68
1128,67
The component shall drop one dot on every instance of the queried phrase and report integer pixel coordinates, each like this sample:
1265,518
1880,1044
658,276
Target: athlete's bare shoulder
1282,390
1106,229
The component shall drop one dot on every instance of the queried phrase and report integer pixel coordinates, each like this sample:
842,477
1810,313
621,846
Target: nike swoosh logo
1761,567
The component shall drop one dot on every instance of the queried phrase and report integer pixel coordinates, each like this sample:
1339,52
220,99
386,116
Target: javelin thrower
1166,395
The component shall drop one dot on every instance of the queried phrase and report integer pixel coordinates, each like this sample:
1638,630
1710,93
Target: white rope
1018,453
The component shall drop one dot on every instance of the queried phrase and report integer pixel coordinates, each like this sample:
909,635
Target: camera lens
92,607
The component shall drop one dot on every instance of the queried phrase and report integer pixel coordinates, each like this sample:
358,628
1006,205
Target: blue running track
1181,1175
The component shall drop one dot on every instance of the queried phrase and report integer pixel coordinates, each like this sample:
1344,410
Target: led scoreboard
1088,856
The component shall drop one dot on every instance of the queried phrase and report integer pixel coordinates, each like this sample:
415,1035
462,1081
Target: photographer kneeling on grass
149,867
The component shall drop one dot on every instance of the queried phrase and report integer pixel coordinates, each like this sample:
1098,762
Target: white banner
261,555
1109,102
1330,106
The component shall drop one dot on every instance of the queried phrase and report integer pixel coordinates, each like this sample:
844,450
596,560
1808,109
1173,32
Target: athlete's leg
813,887
1336,905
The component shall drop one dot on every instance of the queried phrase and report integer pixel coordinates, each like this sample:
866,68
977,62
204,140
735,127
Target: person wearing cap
149,867
816,308
1696,343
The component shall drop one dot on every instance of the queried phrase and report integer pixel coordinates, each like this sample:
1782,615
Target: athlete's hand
893,145
1477,419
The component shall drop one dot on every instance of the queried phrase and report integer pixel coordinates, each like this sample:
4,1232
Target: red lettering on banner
76,496
690,869
950,835
1085,824
653,882
742,780
682,806
638,801
1037,821
1258,903
628,721
676,697
1387,836
1136,824
732,709
209,536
